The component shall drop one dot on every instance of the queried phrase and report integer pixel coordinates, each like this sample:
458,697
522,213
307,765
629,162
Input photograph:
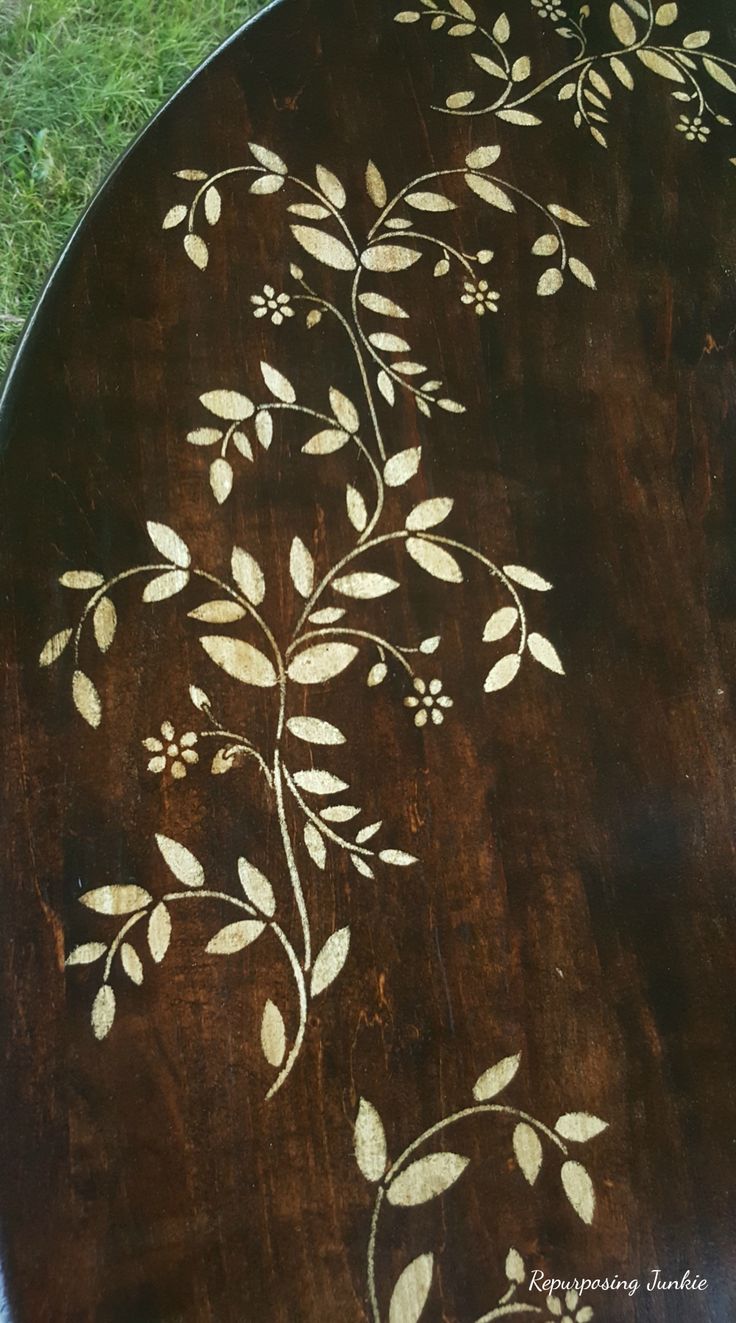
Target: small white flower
569,1312
428,702
480,297
694,129
549,9
278,305
169,750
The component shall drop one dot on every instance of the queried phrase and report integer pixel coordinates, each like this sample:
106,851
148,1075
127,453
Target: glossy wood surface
573,899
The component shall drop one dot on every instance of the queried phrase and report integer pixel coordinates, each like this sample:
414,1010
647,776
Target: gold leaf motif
503,673
719,74
665,15
528,1151
580,1126
435,560
204,436
426,1179
86,699
429,513
264,428
315,844
344,410
301,567
522,118
430,202
384,307
325,247
402,466
326,442
386,387
398,858
166,585
103,1012
56,645
248,575
116,900
500,624
268,159
582,272
364,585
314,731
273,1035
370,1142
339,813
377,191
235,937
197,251
495,70
174,217
240,660
184,865
86,955
622,26
212,205
319,782
389,344
389,257
514,1267
356,508
482,157
171,546
490,192
267,184
694,40
550,282
521,69
660,65
411,1292
322,662
228,404
159,932
329,616
546,245
257,888
579,1189
81,579
331,187
501,30
377,675
330,961
218,613
527,578
279,385
221,480
493,1081
131,963
105,623
622,72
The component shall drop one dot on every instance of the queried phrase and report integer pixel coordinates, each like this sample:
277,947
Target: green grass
78,79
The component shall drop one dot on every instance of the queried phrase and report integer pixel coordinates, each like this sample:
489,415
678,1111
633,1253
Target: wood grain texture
573,900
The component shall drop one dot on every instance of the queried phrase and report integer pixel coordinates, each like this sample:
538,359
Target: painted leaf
339,813
522,118
482,157
367,833
331,187
622,26
384,307
622,72
364,585
268,159
330,961
546,245
435,560
103,1012
235,937
389,257
86,955
327,249
174,217
229,405
315,845
116,900
218,613
398,858
301,567
550,282
278,384
430,202
273,1035
321,662
429,513
329,616
105,623
326,442
356,508
248,575
242,445
193,175
527,578
81,579
369,1140
344,411
309,211
660,65
171,546
569,217
374,182
528,1151
314,731
212,205
521,69
183,864
257,888
490,192
426,1179
221,479
131,963
719,74
159,932
165,586
665,15
389,344
411,1292
493,1081
361,866
197,251
545,653
240,660
503,673
579,1189
56,645
267,184
501,30
500,624
495,70
86,699
319,782
582,272
264,428
377,675
402,466
694,40
514,1267
580,1126
386,387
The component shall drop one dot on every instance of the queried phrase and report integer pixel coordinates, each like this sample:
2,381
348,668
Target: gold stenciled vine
323,641
415,1178
589,82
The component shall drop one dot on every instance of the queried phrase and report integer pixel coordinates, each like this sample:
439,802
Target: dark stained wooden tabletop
368,492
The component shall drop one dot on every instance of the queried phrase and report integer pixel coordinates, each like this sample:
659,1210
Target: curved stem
381,643
290,860
243,746
302,995
503,1311
322,826
117,943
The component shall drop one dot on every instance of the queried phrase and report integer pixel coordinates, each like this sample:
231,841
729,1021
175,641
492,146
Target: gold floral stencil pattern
589,83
